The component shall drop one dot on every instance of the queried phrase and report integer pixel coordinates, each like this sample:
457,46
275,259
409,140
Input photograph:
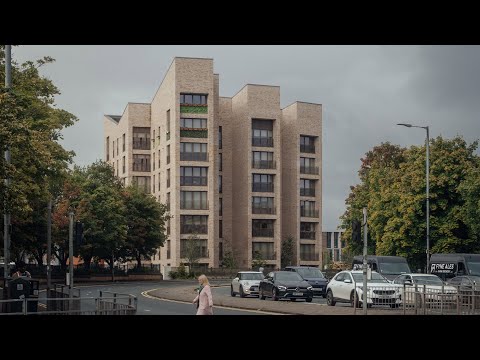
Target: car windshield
474,268
251,276
393,268
376,277
427,280
287,276
310,273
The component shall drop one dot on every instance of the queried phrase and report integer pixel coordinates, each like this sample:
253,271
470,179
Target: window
193,200
108,148
168,124
142,182
343,243
188,123
262,228
220,207
118,140
113,148
141,162
307,252
307,230
329,240
117,167
337,255
168,249
193,99
340,277
123,143
265,249
159,183
262,183
201,246
153,183
168,154
262,160
193,176
159,159
168,202
262,133
220,162
220,187
220,251
262,205
307,144
168,178
335,240
153,161
123,165
307,166
307,187
220,228
193,152
190,224
219,137
307,209
141,138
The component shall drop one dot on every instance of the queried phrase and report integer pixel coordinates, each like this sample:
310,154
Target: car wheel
330,301
308,299
232,293
324,296
352,300
260,295
242,294
274,294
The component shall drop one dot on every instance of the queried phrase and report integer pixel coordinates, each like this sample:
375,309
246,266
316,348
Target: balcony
194,108
309,235
204,253
262,141
263,164
193,133
312,170
193,180
264,210
262,233
193,156
307,192
307,149
189,205
309,213
262,187
140,167
194,229
141,144
309,257
265,255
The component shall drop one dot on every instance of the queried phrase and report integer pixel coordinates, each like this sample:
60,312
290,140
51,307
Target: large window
123,165
108,148
193,151
220,229
188,123
220,207
307,252
141,162
168,249
262,183
263,160
329,240
193,200
193,176
262,228
220,162
307,166
199,248
153,161
307,144
141,138
143,183
264,249
307,187
123,143
307,209
307,230
193,99
219,137
262,205
220,185
153,183
168,154
262,133
194,224
168,178
335,240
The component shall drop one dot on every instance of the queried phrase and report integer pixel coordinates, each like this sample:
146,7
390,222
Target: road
153,306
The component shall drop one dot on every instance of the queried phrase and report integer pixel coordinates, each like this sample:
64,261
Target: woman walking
204,298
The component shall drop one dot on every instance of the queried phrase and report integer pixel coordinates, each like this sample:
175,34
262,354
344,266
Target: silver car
246,283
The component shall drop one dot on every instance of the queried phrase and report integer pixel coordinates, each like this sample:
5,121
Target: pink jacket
205,301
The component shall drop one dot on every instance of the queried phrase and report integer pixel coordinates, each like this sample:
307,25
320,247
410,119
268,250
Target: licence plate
384,296
319,289
297,294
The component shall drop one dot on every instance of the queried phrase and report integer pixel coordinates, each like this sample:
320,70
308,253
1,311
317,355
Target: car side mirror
347,281
408,282
236,279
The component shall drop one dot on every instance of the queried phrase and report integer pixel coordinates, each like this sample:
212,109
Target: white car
425,286
246,283
379,290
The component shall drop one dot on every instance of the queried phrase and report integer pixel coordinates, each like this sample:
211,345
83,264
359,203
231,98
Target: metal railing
262,141
307,149
262,232
263,164
312,170
141,167
193,156
141,145
262,187
310,235
309,257
191,229
309,213
193,205
266,255
307,192
264,210
193,180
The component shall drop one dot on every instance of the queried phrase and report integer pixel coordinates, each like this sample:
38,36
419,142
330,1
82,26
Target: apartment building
239,172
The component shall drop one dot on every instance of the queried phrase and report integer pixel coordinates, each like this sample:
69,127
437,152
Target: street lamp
427,162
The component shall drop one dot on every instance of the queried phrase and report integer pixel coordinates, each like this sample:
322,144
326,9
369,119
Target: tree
258,261
327,259
146,220
193,251
288,251
470,192
229,258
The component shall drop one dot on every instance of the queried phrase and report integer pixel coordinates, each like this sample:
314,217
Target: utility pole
6,216
428,198
49,246
70,255
365,261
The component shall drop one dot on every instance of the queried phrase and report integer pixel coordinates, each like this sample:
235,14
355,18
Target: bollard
404,300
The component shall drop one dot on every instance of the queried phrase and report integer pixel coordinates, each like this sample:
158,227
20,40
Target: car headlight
280,287
310,288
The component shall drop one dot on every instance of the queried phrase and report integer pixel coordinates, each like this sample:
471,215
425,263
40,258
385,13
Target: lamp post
427,166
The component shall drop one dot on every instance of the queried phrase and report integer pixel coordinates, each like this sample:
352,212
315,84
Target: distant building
333,244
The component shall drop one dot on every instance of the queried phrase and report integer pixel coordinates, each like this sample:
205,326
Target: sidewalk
187,293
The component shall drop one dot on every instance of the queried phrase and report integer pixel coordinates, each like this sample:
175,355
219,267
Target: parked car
468,288
246,283
313,276
425,287
285,285
380,291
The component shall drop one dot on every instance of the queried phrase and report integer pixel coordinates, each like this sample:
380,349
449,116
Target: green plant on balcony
191,109
200,133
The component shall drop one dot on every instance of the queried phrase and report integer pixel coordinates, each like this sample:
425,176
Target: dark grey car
313,276
285,285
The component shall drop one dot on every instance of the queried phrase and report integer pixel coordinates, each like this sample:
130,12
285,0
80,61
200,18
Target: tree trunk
86,262
139,260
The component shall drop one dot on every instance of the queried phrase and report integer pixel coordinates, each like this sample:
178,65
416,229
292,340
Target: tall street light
428,189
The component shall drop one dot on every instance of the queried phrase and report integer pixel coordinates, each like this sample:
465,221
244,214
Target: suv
313,276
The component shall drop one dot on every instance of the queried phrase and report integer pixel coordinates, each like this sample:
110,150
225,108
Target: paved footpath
187,293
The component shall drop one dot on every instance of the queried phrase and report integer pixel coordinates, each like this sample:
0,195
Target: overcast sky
365,91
